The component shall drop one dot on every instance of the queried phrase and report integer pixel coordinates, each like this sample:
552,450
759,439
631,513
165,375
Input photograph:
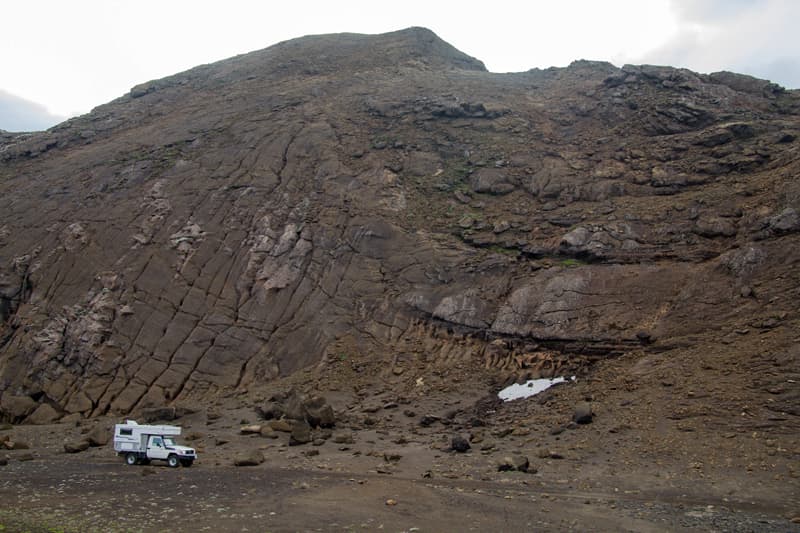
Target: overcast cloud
72,56
756,37
18,114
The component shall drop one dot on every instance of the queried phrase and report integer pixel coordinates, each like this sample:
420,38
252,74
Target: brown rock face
385,194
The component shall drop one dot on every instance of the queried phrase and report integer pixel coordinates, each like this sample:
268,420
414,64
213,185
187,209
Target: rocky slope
385,197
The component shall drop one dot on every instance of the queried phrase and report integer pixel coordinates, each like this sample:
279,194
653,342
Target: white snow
529,388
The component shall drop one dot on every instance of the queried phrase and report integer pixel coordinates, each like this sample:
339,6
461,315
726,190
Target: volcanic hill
386,199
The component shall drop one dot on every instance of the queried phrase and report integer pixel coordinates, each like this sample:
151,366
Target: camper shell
140,443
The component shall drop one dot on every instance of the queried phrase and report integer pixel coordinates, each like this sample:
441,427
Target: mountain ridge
385,196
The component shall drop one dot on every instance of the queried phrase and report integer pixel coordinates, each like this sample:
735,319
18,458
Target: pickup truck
140,443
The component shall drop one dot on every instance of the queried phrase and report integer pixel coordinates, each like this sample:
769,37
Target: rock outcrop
384,195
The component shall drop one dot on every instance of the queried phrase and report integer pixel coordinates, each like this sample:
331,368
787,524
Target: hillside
338,211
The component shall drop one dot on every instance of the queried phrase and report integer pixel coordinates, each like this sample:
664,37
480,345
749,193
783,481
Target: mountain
385,197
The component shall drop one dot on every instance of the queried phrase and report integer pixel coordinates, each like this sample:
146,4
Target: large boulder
99,435
44,414
16,408
292,405
164,414
249,458
319,412
76,446
301,434
519,463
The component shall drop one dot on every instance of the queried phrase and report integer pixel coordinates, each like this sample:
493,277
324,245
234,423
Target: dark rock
77,446
165,414
16,408
3,461
301,434
44,414
519,463
250,458
492,181
270,410
459,444
715,227
319,413
583,413
294,406
25,457
428,420
343,438
787,221
267,432
15,444
281,425
99,435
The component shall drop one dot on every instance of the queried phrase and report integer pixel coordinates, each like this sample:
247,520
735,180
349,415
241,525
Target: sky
62,58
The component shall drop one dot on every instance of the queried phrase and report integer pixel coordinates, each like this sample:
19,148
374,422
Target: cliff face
385,195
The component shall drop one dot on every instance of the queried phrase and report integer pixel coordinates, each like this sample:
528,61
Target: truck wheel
131,459
186,462
172,461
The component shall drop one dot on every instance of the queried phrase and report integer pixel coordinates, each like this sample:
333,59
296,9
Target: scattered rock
267,432
391,457
459,444
515,462
44,414
301,434
16,408
15,445
25,457
294,406
428,420
99,435
253,429
166,414
319,413
281,425
3,461
343,438
583,413
250,458
76,446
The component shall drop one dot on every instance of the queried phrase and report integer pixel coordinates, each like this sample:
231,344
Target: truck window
157,442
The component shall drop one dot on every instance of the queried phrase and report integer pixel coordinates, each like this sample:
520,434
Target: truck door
155,448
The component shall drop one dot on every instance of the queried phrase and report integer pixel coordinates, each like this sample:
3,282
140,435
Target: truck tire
172,461
131,459
187,462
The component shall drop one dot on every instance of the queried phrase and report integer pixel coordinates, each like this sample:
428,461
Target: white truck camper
139,444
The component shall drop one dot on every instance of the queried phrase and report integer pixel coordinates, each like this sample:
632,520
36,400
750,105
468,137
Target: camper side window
127,432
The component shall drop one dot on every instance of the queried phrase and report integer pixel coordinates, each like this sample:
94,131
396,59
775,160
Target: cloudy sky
61,58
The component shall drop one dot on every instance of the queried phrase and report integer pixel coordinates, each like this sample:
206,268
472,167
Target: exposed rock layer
385,195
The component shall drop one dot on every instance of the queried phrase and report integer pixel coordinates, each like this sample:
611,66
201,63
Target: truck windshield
168,441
